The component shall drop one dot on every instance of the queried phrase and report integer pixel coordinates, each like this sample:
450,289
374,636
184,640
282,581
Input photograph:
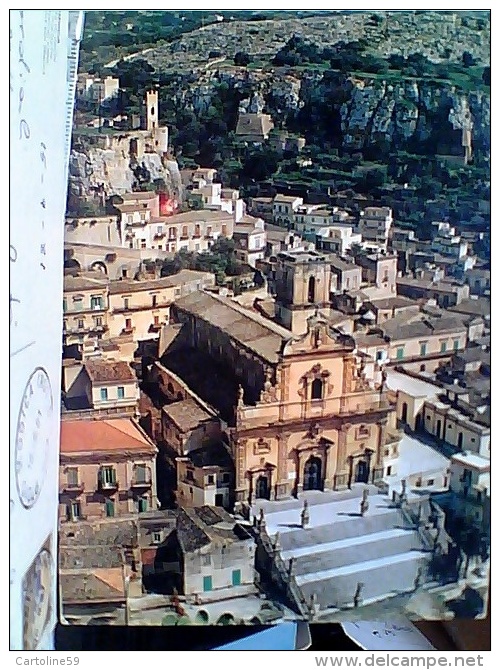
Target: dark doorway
362,472
262,487
312,474
219,500
438,430
404,412
418,423
460,440
311,291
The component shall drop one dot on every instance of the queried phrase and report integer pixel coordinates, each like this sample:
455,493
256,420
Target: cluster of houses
183,407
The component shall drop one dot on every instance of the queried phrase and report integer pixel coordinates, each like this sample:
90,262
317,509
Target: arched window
311,290
317,389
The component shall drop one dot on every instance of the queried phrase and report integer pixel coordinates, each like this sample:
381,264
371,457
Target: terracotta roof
186,414
132,207
280,197
195,216
477,307
255,332
110,435
201,526
254,124
338,263
140,195
80,283
399,327
392,303
182,277
109,371
99,585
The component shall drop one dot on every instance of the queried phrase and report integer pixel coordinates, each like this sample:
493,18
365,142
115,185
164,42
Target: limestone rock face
363,110
109,166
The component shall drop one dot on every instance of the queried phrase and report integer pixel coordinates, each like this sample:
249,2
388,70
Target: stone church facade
301,411
319,423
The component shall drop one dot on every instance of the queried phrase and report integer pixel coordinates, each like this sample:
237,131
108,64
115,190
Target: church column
251,488
342,464
382,438
282,484
329,467
299,481
351,471
283,381
378,466
272,492
241,489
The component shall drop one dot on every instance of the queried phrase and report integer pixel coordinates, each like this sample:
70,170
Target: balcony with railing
106,480
73,486
354,404
139,482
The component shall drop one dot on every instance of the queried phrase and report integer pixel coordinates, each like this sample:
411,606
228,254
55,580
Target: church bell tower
302,286
152,121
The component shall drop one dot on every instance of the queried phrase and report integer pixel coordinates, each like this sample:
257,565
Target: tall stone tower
302,286
152,121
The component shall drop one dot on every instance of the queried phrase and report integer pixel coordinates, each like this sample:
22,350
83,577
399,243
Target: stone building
345,275
111,317
141,307
470,481
206,476
250,239
379,270
99,570
208,555
301,413
254,128
107,469
375,224
446,292
85,308
99,386
192,231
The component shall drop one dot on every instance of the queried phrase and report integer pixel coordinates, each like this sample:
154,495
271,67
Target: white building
250,239
375,225
470,481
337,239
447,242
310,218
284,208
97,89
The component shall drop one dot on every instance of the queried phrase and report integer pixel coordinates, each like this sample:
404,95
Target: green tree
467,59
241,58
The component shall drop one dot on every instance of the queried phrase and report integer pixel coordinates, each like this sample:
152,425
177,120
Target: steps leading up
340,549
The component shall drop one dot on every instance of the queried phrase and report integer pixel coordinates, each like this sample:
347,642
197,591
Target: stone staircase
340,549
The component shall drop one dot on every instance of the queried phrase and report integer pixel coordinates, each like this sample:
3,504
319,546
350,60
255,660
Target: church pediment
319,337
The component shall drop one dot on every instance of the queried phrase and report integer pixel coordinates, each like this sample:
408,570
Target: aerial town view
276,338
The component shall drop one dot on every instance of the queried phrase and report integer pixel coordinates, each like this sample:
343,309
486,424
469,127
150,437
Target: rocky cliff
354,113
107,165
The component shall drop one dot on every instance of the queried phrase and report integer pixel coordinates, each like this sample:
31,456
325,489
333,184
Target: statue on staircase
357,599
304,515
364,504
